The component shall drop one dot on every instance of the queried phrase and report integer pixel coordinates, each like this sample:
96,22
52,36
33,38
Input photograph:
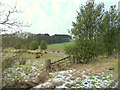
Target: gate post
48,64
73,60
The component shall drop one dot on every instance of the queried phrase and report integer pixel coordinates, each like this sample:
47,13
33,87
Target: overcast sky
51,16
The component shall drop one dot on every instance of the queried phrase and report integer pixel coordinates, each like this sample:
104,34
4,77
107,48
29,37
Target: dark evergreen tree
110,30
18,45
34,45
43,45
86,29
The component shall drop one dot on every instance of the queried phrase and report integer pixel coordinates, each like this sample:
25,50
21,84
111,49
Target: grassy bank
58,45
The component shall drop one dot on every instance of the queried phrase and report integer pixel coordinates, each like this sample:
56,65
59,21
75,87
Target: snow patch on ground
64,79
88,82
20,73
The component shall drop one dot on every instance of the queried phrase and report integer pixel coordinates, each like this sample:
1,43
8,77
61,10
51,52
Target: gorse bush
34,45
18,45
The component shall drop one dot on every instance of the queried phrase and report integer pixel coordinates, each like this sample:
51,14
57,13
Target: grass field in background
58,45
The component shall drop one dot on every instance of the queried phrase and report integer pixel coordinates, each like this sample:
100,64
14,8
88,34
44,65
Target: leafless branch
14,22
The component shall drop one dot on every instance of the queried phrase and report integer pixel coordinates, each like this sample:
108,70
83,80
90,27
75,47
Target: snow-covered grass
20,73
66,79
93,74
32,66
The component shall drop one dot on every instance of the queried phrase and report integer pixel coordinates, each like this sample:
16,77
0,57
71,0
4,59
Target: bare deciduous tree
6,22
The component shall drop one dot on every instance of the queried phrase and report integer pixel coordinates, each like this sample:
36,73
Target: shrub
27,46
23,47
70,49
18,45
34,45
43,45
88,50
83,52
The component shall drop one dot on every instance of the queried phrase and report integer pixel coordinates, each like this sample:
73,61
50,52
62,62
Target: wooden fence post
73,60
48,64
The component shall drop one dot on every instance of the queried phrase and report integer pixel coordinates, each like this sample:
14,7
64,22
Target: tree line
9,40
95,32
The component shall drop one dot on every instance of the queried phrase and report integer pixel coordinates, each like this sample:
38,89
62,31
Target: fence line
61,60
49,65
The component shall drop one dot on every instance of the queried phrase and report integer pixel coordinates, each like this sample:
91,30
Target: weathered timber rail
58,64
61,60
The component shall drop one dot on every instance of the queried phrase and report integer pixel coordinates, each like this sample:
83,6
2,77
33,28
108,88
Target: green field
58,45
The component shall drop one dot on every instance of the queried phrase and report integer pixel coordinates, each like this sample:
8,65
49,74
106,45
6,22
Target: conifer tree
86,30
43,45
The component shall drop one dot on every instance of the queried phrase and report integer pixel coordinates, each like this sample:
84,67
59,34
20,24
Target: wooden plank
61,60
63,64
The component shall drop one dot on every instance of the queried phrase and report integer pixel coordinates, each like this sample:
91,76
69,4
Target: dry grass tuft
77,75
72,78
53,85
60,83
69,85
65,74
42,77
94,66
